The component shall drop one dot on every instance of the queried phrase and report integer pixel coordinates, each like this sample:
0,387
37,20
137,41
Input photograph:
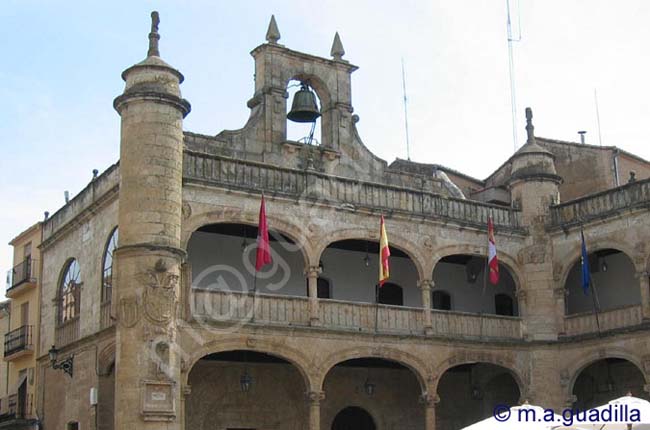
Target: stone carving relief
535,254
186,210
160,293
128,311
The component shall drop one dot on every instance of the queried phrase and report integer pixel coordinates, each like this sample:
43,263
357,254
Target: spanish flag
384,253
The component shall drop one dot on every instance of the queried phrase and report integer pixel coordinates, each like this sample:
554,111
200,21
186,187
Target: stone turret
534,182
149,254
534,186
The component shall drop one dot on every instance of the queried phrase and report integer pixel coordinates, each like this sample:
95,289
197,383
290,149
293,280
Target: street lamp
65,365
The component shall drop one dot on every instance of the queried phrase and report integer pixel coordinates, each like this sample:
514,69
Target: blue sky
61,65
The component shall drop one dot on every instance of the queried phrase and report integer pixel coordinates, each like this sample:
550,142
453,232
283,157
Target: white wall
615,288
218,262
469,297
351,280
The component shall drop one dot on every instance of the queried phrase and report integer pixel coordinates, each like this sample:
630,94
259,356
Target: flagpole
377,308
586,273
594,299
254,295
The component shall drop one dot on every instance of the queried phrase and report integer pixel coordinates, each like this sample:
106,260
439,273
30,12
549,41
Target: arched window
441,300
107,272
69,291
323,288
390,294
504,305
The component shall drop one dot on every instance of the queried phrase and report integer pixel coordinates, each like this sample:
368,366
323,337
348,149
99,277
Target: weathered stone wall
86,242
63,399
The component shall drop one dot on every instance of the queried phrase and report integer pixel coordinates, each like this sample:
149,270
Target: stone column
429,402
312,273
149,257
314,399
425,286
644,285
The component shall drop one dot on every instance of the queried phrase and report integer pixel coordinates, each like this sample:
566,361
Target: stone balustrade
369,317
343,193
231,307
237,308
585,323
463,324
603,204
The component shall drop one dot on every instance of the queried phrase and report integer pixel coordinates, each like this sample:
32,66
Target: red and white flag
384,253
263,256
493,261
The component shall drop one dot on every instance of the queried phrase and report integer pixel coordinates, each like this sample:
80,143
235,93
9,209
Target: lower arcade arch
353,418
469,393
371,393
607,379
245,389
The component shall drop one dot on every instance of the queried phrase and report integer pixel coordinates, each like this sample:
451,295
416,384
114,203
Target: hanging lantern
245,382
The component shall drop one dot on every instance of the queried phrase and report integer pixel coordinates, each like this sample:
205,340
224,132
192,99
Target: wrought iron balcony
21,274
18,340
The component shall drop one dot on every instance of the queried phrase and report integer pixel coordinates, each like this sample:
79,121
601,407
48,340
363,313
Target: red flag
384,253
493,261
263,256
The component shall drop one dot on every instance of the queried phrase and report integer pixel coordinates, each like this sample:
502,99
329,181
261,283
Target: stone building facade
169,327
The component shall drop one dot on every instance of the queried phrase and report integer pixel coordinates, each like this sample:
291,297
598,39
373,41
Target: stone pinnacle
154,37
273,34
337,51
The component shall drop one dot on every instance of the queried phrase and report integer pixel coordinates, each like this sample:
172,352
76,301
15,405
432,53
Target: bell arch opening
463,279
227,387
383,389
612,275
304,119
606,380
470,392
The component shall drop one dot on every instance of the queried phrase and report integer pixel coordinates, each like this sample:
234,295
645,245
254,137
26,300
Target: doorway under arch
605,380
353,418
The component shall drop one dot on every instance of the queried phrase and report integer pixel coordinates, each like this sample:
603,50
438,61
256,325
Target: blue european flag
584,261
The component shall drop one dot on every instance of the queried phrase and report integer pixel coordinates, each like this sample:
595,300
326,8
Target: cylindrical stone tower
149,255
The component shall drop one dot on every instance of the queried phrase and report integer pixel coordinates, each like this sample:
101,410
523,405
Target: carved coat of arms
160,293
128,311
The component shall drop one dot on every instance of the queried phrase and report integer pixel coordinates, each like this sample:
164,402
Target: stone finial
154,37
273,34
530,129
337,51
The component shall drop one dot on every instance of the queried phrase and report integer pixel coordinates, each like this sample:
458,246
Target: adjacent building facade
160,321
18,403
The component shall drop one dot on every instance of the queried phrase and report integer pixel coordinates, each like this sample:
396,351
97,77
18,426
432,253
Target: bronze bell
304,107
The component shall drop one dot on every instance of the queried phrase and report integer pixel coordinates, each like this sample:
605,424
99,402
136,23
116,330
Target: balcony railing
341,192
606,203
18,340
21,273
584,323
67,332
237,309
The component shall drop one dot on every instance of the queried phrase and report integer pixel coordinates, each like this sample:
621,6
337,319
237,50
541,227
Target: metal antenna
406,115
511,69
600,137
